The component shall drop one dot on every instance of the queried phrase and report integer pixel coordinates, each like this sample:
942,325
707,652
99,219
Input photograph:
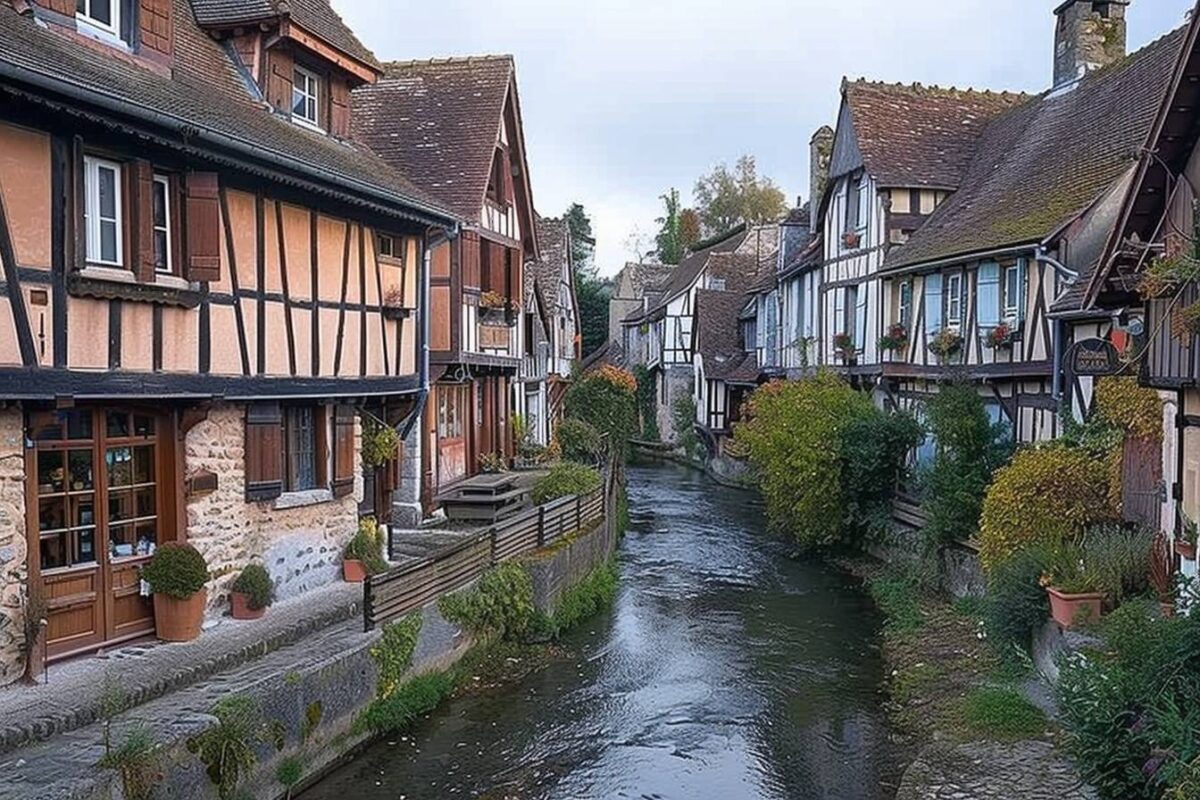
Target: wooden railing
397,592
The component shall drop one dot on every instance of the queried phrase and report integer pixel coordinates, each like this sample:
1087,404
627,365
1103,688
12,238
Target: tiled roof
690,268
1044,162
914,135
740,271
718,336
315,16
204,92
554,243
438,121
645,278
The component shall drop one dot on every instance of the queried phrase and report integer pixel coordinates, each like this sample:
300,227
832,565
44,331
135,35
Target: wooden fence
393,594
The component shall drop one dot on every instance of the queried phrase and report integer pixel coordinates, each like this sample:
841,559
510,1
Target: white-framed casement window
162,225
102,212
904,311
306,97
104,15
1012,291
954,299
387,245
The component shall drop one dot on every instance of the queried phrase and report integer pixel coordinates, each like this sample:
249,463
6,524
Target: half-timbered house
454,126
986,287
553,279
207,287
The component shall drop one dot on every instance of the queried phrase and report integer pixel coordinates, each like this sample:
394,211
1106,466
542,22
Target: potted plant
1185,542
393,303
1000,336
251,593
1162,574
895,340
363,556
946,343
1076,594
177,575
843,346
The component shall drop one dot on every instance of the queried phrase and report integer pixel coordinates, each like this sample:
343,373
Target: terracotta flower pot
240,604
353,571
1067,609
1186,550
178,620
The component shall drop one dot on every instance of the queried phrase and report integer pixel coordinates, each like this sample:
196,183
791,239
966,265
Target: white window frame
168,267
954,299
716,284
113,28
314,97
92,219
904,303
1011,308
380,238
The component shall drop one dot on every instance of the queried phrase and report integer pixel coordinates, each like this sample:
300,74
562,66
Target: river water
724,671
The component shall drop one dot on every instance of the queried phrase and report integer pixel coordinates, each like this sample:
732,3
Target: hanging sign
1093,357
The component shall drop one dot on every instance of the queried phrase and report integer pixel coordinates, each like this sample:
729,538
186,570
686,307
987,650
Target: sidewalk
72,694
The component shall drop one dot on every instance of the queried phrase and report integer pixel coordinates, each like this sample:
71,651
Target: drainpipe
1040,254
431,240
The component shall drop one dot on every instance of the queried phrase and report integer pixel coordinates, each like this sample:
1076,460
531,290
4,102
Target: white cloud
623,99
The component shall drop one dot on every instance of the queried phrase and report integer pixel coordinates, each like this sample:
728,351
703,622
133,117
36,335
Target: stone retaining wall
14,562
560,567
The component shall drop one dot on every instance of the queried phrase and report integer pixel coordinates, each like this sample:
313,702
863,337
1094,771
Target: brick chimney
1089,34
820,149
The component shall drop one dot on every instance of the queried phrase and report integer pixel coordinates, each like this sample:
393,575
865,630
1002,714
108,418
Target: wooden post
578,512
541,530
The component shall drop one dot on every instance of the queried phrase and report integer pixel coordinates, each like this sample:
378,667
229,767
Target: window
306,97
301,451
162,225
102,14
716,284
1012,291
102,212
954,299
387,245
904,315
853,203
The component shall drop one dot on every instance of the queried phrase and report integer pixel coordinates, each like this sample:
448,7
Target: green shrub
397,711
580,442
393,654
647,407
1119,558
1046,495
367,547
176,570
564,480
290,772
1016,605
136,761
229,748
255,582
970,448
606,398
683,423
585,599
501,605
897,593
1002,713
872,451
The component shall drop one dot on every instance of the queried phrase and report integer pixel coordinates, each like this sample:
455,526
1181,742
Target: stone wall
680,383
298,537
14,571
563,566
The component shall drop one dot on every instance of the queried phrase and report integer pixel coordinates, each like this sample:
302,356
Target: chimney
1088,35
820,149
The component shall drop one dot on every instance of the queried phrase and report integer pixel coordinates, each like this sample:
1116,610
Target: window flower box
393,304
843,347
895,340
1003,335
1070,610
946,344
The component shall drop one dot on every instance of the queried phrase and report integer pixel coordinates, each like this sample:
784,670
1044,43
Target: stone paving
991,771
72,694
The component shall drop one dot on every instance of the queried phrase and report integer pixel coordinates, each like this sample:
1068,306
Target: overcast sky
623,99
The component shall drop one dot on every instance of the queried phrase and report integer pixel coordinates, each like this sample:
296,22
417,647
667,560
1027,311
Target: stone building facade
14,550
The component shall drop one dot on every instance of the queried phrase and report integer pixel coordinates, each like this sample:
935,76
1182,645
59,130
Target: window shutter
264,451
141,204
203,228
933,304
860,318
78,206
1022,288
343,451
506,171
987,295
514,276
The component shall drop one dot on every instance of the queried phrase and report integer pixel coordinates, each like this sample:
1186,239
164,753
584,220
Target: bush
1046,495
970,448
1136,409
367,547
606,399
1002,713
501,605
585,599
683,424
647,407
136,760
898,596
229,749
1016,605
393,654
812,446
580,442
255,582
1119,559
398,710
176,570
564,480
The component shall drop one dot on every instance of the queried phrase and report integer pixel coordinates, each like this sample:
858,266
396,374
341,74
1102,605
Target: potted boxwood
363,556
1076,594
252,593
177,575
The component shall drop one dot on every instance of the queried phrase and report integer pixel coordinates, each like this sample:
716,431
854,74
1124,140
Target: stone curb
58,721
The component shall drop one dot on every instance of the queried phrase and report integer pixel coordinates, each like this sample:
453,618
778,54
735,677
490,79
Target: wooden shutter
141,204
78,206
513,265
343,451
506,197
203,262
987,295
264,451
494,279
933,304
339,108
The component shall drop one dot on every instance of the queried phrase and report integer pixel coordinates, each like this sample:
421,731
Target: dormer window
306,98
103,15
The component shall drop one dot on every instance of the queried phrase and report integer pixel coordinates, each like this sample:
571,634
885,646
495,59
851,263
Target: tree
669,240
725,198
592,293
582,241
690,228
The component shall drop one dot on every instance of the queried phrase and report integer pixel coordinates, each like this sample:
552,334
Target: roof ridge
451,60
933,89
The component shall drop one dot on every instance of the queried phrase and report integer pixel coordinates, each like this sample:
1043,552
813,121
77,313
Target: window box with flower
895,340
843,347
495,309
946,344
851,240
1001,336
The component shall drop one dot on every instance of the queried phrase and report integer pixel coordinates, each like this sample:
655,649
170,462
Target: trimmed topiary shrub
255,583
1046,495
566,479
176,570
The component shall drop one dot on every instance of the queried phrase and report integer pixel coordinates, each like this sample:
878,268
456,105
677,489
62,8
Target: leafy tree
670,240
690,228
592,292
582,239
726,198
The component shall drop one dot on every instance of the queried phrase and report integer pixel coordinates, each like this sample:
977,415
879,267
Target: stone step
74,694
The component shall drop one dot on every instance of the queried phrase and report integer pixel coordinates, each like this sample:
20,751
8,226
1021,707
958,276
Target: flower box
1068,610
1185,550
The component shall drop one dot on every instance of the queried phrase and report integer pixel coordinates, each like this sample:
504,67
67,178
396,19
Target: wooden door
96,508
452,423
1142,482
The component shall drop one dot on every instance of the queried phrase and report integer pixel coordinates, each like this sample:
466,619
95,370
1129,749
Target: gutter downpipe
1040,254
428,243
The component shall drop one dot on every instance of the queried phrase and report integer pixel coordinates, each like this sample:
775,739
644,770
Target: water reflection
724,671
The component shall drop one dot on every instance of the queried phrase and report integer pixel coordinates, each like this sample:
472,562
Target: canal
725,670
